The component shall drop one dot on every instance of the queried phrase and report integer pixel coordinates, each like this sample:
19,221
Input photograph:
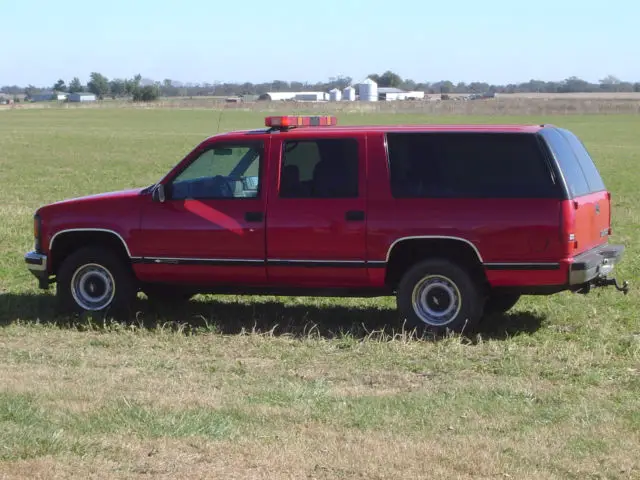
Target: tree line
144,89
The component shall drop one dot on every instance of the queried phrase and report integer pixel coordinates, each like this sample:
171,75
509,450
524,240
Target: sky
236,41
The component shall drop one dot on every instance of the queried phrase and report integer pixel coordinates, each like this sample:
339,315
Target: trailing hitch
605,282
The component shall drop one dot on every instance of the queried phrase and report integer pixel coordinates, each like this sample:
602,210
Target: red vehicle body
365,241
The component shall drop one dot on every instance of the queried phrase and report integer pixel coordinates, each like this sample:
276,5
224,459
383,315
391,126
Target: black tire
167,295
500,302
449,282
95,267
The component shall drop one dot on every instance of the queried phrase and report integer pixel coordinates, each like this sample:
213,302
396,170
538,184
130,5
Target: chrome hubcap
92,287
436,300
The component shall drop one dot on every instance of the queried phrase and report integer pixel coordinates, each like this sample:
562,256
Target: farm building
390,94
311,96
299,96
275,96
47,96
82,97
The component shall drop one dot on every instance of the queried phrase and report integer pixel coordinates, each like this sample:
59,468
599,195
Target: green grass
263,387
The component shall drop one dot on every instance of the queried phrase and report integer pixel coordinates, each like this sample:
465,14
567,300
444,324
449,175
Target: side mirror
158,194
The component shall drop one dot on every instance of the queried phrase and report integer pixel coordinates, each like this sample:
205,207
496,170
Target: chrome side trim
522,266
346,262
104,230
177,260
434,237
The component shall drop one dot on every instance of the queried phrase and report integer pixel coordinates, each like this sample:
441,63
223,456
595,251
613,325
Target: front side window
322,168
468,165
222,171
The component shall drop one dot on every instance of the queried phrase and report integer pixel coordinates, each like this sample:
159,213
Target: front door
211,228
316,217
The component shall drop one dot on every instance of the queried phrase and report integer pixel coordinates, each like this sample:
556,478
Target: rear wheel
439,295
501,302
94,279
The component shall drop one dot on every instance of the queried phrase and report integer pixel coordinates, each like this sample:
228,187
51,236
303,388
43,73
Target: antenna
220,118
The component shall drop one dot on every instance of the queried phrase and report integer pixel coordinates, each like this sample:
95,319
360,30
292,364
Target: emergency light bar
300,121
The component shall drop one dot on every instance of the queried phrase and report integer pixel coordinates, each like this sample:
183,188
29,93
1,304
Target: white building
81,97
275,96
389,94
310,96
48,96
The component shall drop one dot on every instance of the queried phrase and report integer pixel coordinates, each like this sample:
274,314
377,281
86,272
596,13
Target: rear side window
472,165
580,172
323,168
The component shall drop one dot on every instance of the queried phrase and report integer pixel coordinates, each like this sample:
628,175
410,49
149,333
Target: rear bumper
37,265
594,264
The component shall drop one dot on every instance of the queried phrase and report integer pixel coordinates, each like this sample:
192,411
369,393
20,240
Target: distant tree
390,79
575,84
75,86
636,87
117,87
461,87
132,85
98,85
31,90
375,77
12,89
479,87
60,86
445,86
280,86
148,93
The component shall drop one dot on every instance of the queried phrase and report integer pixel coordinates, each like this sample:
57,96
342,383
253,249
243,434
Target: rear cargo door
588,211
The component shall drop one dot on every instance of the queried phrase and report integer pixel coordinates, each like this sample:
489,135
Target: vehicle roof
400,128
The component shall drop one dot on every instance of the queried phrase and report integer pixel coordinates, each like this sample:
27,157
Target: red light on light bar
301,121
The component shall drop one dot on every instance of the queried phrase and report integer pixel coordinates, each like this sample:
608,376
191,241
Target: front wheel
94,279
438,295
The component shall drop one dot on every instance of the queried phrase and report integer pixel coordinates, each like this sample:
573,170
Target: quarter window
594,180
322,168
568,162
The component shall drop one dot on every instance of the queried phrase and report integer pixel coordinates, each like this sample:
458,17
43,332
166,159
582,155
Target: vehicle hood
118,194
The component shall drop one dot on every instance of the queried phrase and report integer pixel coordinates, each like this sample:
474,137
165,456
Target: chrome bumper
594,264
37,265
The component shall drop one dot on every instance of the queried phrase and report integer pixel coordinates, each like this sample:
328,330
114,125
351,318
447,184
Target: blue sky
249,40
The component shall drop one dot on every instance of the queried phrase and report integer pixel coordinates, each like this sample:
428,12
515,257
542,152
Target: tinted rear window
471,165
594,180
580,172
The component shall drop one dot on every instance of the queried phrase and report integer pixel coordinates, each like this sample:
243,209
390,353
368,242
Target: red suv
455,220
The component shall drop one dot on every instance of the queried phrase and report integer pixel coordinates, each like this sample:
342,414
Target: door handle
253,216
354,216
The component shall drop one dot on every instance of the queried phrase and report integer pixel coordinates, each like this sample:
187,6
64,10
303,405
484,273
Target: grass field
301,388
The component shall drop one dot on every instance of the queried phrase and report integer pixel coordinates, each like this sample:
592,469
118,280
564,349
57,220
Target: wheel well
67,243
407,253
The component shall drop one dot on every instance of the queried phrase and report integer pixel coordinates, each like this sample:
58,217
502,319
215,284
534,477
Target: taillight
569,234
37,227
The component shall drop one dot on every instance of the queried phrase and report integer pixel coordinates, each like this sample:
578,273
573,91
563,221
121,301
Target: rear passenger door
316,218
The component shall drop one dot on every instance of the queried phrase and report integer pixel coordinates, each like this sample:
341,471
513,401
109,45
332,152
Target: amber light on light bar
300,121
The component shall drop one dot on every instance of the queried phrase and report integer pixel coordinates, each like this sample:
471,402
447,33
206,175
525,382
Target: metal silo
368,91
350,94
335,95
